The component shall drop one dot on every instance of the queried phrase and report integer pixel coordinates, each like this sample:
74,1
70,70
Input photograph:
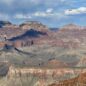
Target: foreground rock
78,81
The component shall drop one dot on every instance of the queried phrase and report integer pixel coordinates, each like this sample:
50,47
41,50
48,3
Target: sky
54,13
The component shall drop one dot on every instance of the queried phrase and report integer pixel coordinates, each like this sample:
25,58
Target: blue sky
54,13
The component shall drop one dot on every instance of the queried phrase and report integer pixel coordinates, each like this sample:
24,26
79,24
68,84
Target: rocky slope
80,80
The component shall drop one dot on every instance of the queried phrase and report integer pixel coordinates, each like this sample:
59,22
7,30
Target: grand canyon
32,54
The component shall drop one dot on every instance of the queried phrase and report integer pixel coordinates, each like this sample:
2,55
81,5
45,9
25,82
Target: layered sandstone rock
78,81
34,25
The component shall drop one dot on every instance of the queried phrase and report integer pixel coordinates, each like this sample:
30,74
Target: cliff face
54,72
48,76
40,71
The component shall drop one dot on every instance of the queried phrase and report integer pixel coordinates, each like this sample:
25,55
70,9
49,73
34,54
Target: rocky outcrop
34,25
54,72
78,81
45,73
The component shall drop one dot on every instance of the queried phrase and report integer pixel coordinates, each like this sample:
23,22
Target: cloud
4,16
80,10
22,16
47,13
40,14
48,2
50,10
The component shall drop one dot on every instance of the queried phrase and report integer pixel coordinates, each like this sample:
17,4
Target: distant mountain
3,23
23,34
54,29
34,24
71,27
29,33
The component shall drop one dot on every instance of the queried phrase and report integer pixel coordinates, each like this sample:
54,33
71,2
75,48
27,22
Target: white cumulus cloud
50,10
80,10
4,16
47,13
22,16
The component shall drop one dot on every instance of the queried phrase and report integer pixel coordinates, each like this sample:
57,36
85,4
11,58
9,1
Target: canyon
32,50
